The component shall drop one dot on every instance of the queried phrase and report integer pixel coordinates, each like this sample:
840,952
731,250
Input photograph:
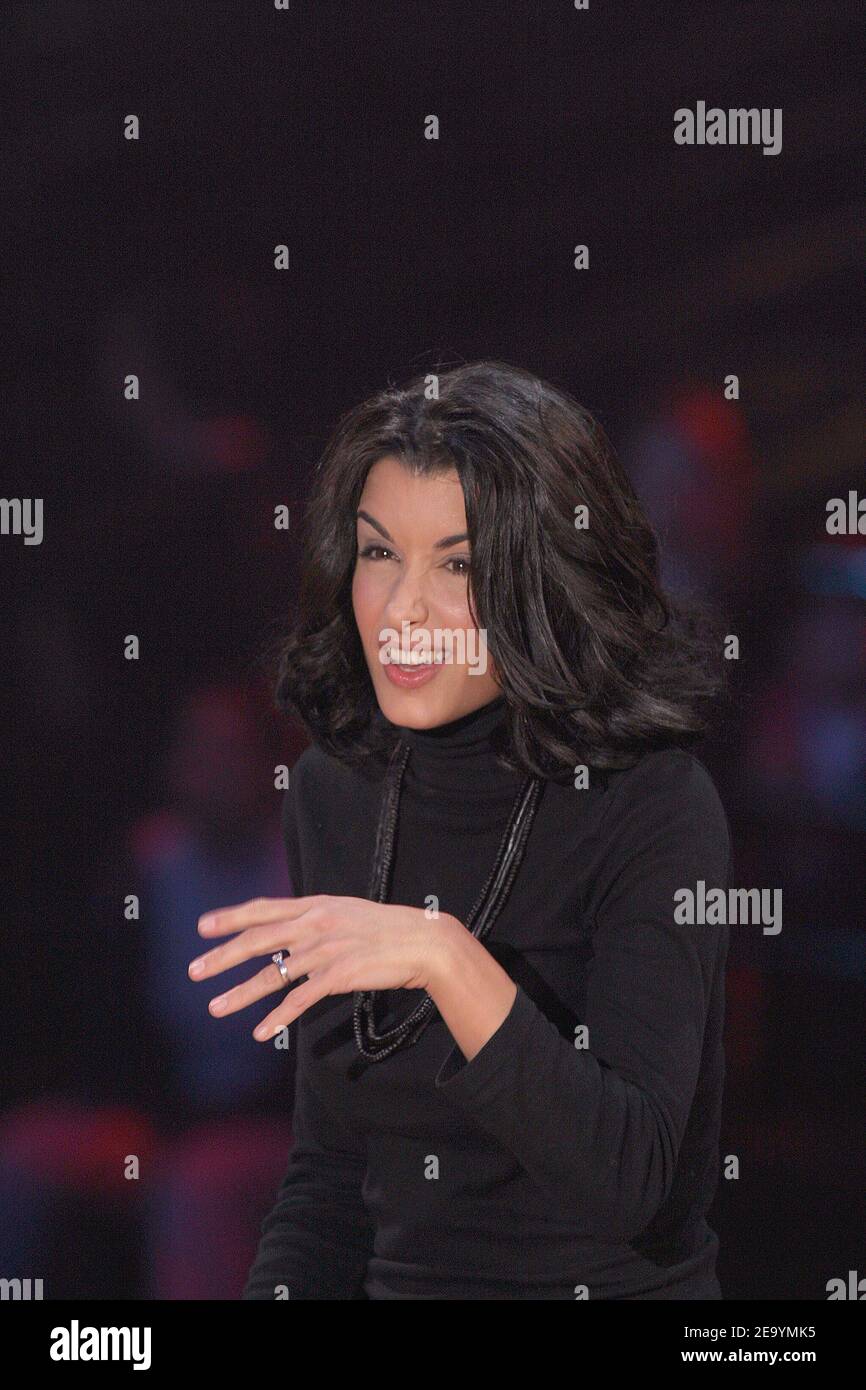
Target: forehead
392,491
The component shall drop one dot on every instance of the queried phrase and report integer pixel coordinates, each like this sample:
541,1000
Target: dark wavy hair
597,664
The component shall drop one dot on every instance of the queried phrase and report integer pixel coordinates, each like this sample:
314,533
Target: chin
418,709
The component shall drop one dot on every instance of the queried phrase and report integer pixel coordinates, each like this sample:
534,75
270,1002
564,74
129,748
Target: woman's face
410,594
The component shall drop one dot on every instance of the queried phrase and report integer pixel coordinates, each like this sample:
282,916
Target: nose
407,600
407,603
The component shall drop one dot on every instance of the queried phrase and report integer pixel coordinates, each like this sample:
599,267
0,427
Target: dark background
155,257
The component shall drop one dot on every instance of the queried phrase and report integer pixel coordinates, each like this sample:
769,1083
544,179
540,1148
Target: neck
455,765
465,731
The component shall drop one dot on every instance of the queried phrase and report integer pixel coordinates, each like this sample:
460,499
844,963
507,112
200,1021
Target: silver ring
281,966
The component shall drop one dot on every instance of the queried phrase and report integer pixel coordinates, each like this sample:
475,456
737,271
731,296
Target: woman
509,1065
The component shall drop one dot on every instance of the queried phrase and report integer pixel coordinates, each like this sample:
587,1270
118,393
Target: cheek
368,602
456,608
361,602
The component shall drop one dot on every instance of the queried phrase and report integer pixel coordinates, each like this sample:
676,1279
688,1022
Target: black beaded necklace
376,1046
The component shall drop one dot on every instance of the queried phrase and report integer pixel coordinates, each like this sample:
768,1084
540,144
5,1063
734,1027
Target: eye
459,560
367,552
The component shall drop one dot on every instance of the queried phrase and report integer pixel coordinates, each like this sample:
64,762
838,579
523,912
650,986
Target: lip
410,678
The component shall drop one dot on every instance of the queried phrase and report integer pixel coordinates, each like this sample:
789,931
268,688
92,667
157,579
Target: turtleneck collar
461,735
453,768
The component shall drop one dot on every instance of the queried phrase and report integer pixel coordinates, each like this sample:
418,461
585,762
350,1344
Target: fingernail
197,966
205,923
217,1005
261,1031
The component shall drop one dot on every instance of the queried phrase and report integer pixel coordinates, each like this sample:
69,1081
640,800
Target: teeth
412,665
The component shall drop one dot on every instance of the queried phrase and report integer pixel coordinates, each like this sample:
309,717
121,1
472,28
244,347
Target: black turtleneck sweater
577,1154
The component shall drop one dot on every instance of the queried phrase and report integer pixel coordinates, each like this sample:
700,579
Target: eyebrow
439,545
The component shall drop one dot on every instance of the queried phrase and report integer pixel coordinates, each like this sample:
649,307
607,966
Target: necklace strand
376,1046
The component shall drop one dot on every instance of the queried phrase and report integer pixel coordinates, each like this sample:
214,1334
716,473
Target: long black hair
597,664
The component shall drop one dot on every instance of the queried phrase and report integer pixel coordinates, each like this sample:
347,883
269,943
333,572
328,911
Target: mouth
409,674
410,661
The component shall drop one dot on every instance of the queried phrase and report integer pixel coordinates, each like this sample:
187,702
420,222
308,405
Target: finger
254,913
267,981
301,998
255,941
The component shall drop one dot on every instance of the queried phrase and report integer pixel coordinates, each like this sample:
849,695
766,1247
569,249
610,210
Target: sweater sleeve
599,1127
318,1237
